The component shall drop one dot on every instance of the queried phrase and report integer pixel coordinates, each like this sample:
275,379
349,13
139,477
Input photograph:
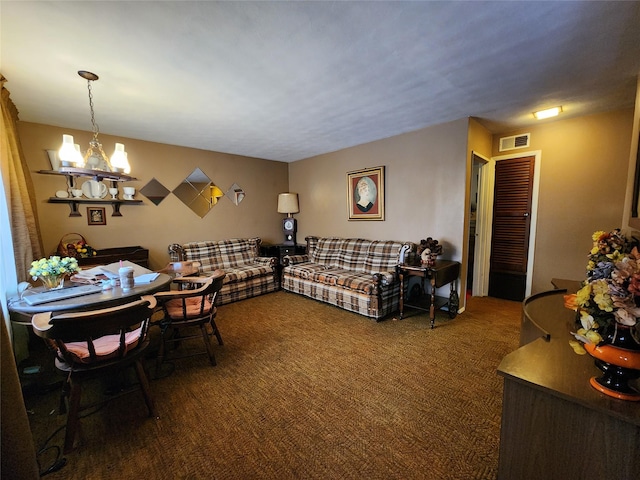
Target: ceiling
289,80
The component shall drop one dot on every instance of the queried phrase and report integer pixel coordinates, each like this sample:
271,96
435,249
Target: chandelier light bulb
68,152
119,159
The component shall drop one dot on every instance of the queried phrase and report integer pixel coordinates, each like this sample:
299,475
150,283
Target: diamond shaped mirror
155,191
198,192
235,194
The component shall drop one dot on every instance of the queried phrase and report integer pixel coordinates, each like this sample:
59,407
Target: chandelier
94,158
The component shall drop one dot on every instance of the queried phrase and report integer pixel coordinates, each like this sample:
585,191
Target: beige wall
424,194
155,227
584,170
582,188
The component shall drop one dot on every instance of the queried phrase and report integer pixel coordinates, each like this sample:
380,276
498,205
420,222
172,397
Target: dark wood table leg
432,307
401,303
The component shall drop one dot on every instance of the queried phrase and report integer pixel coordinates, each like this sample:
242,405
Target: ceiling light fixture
548,113
94,158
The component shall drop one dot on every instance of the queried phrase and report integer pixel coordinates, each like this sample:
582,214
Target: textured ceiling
290,80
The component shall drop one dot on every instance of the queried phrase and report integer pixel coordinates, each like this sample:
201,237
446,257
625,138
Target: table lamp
288,203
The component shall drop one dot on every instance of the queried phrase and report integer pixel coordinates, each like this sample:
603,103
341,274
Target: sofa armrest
267,261
385,278
176,252
293,259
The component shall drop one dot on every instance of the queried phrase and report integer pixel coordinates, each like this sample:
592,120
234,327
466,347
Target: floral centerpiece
610,296
51,271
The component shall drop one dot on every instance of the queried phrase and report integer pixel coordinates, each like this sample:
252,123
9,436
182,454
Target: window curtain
20,240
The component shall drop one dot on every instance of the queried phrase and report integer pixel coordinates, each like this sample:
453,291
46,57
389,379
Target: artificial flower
53,267
611,292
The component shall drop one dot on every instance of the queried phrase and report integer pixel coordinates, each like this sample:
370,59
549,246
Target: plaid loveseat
248,274
352,273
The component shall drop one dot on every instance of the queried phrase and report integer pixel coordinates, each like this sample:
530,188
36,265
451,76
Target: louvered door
511,222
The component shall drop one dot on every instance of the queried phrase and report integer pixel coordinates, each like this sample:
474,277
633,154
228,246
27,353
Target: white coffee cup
76,192
129,190
126,278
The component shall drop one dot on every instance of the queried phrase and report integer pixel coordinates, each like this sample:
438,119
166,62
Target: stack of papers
105,272
111,270
146,278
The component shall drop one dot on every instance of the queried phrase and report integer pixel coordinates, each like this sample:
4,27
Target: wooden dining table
21,311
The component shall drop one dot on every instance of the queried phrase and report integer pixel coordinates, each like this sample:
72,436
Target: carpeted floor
306,390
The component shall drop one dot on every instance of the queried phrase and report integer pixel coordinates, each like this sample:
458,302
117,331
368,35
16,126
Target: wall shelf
97,175
74,202
72,173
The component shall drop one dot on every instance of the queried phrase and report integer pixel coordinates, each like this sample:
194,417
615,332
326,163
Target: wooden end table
442,273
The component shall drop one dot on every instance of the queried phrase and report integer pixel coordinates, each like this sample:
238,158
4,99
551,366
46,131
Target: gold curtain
27,242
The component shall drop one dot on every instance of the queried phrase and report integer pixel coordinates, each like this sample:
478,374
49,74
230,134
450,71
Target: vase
618,357
52,282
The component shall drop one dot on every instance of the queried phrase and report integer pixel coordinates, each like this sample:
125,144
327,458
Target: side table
442,273
280,251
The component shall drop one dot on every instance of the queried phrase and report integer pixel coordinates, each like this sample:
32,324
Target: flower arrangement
610,295
51,269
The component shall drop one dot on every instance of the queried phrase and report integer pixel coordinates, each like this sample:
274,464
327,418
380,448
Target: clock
289,230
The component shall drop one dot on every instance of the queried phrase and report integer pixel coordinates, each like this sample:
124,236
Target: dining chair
181,269
94,343
189,308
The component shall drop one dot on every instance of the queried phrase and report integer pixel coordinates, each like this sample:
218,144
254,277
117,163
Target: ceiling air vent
517,141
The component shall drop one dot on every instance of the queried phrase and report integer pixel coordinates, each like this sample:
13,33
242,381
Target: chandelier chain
93,120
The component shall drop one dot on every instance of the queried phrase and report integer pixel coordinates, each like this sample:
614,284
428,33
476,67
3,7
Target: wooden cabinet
554,424
105,256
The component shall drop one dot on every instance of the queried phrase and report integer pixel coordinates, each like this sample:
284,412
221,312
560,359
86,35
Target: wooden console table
442,273
554,424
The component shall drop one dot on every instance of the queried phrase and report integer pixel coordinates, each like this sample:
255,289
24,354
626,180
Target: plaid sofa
248,274
352,273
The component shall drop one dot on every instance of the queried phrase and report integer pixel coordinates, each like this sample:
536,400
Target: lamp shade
119,160
288,203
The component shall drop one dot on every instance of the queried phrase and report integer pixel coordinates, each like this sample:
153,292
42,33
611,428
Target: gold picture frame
365,190
96,216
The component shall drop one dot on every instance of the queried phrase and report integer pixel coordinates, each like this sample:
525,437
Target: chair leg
216,332
73,417
146,389
207,344
160,356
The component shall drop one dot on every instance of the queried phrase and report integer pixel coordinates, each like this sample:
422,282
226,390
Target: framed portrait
96,216
366,194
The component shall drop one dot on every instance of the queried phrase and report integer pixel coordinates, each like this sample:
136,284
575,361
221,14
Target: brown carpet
306,390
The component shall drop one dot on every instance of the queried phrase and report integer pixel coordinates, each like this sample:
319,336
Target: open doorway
478,163
484,222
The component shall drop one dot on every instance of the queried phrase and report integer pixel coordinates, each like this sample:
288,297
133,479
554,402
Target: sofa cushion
352,255
245,272
358,282
207,253
235,252
382,256
328,276
304,270
326,251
